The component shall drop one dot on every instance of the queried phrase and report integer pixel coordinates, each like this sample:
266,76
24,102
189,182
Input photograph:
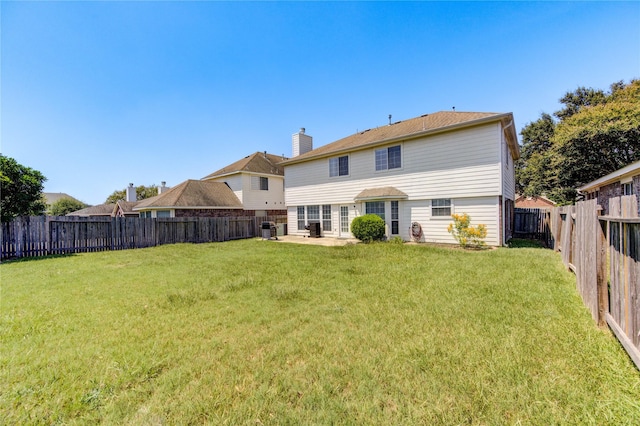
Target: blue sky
99,94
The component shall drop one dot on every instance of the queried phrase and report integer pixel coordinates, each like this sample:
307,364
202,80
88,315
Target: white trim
633,169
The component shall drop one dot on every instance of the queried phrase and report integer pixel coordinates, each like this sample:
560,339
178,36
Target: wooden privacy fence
585,241
533,223
46,235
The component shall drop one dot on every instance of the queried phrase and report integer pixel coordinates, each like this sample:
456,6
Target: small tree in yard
21,193
368,228
465,234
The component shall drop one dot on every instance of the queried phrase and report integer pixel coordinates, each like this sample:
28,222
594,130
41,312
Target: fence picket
40,236
583,249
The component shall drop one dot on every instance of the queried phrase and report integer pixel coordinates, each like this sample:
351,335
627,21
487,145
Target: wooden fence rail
586,240
48,235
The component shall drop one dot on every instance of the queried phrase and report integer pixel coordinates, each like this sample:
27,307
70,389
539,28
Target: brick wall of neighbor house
606,192
276,212
636,190
214,213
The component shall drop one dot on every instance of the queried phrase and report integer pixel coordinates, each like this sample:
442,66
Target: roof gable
125,206
259,162
191,194
415,127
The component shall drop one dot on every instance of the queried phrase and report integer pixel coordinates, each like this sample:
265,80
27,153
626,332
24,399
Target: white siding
508,172
234,182
256,199
482,210
465,166
458,164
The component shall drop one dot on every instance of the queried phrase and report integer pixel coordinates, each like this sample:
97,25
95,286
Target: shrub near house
368,228
465,234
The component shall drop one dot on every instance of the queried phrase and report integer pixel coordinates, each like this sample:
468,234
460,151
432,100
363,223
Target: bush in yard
465,234
368,228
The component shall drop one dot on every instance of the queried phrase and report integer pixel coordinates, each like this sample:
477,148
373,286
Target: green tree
576,101
142,192
597,141
64,206
21,193
597,133
532,168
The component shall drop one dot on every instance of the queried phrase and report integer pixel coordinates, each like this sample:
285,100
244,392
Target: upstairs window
627,188
388,158
339,166
259,183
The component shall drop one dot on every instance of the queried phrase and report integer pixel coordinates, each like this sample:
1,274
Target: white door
344,221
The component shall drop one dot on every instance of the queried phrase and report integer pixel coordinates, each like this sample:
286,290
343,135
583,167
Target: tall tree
532,168
576,101
598,140
597,133
142,192
21,193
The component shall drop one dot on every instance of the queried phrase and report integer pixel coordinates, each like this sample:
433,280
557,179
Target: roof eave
381,198
187,208
427,132
612,177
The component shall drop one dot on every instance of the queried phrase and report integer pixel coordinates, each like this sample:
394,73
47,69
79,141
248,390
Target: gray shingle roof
99,210
192,194
259,162
52,197
414,127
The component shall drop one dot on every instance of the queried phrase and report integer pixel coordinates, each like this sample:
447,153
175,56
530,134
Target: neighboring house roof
424,125
632,169
523,201
193,194
380,194
125,208
259,162
99,210
52,197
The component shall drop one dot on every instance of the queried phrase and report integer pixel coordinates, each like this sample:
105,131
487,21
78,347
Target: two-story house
414,174
258,182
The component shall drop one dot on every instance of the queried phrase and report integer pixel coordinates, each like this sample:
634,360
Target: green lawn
261,332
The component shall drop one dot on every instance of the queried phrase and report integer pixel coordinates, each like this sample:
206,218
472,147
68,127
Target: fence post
601,262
